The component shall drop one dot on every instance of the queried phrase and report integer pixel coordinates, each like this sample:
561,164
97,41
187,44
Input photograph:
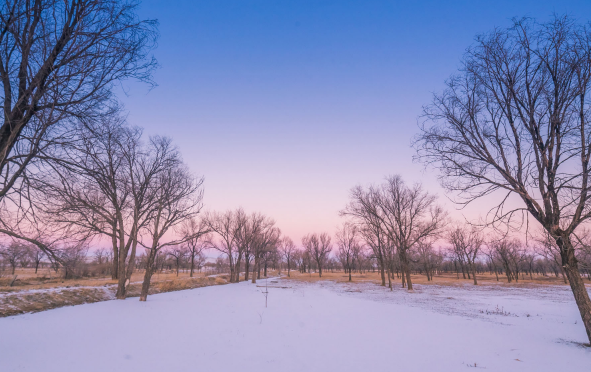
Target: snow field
306,327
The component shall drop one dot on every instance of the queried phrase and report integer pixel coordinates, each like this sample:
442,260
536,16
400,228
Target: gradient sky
283,106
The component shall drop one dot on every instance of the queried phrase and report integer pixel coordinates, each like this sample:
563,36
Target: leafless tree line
248,242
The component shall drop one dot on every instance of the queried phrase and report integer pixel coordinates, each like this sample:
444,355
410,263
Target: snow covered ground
323,326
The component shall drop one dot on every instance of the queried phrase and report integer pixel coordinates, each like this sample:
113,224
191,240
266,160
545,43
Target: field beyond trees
33,292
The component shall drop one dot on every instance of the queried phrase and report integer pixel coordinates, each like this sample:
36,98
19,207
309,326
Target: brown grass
45,279
35,293
441,279
14,304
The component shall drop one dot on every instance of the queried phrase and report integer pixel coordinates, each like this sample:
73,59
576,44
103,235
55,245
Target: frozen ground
306,327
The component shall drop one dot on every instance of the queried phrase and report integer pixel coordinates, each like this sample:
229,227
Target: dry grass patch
45,279
441,279
20,300
20,303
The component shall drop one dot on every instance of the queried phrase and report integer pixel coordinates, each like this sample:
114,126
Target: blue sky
283,106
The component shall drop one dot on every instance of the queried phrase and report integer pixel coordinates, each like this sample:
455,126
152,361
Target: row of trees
81,262
500,257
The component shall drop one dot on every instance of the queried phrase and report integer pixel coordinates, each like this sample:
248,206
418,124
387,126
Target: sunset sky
283,106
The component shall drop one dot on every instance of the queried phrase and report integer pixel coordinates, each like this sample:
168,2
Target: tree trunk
238,268
254,270
349,271
571,267
402,275
115,269
120,295
563,275
123,250
389,280
406,267
192,264
232,268
148,275
131,264
246,267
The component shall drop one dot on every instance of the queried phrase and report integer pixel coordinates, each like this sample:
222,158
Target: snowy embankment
306,327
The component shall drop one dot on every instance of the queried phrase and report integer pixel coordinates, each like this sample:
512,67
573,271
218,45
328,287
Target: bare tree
430,259
515,120
265,238
13,253
104,185
510,253
178,197
364,209
319,247
224,225
467,243
347,242
72,260
406,215
288,250
243,237
197,240
178,254
410,215
360,257
87,188
37,256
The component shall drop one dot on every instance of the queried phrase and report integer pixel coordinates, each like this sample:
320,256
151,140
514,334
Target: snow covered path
306,327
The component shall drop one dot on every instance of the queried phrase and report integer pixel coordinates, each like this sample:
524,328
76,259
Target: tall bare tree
266,237
347,242
410,215
225,226
179,254
364,209
37,256
429,258
467,242
515,120
104,185
319,247
405,215
288,249
12,253
178,197
197,239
